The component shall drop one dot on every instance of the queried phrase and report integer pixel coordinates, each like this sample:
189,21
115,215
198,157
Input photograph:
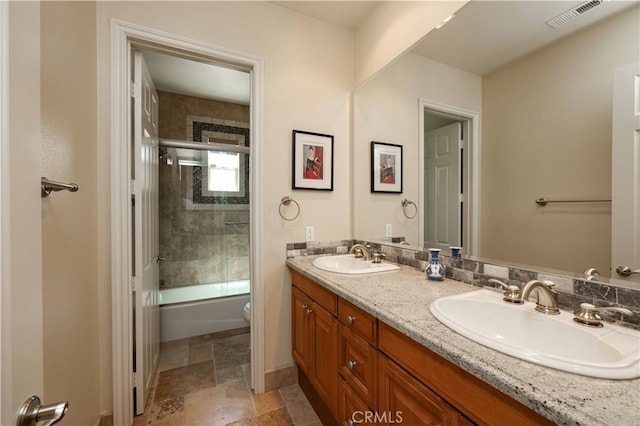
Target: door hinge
132,188
461,198
135,379
134,284
133,89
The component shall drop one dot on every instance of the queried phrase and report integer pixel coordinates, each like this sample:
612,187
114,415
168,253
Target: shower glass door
204,217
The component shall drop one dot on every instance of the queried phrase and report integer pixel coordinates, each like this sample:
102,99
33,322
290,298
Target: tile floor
205,380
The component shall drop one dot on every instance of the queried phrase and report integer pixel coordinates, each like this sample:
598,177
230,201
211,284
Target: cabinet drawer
358,365
358,320
351,408
319,294
487,406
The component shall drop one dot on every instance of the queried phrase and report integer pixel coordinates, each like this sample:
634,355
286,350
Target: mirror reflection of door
443,207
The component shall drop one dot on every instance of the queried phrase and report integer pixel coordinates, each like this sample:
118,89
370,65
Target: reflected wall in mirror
544,131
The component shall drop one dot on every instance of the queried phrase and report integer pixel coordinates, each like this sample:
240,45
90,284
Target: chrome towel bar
544,201
47,186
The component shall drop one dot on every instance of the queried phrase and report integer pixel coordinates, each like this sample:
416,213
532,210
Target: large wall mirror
532,107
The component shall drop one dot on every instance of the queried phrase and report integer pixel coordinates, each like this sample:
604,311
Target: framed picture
386,167
312,161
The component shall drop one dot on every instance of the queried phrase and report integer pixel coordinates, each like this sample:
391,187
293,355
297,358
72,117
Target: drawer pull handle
309,311
352,364
350,319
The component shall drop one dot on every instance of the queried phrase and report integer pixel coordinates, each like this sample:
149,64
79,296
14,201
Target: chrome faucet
547,297
361,251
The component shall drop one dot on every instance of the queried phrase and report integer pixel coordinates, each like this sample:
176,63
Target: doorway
127,38
449,175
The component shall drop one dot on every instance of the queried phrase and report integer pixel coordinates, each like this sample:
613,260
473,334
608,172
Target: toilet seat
246,312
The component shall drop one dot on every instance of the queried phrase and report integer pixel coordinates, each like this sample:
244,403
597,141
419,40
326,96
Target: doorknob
625,271
32,412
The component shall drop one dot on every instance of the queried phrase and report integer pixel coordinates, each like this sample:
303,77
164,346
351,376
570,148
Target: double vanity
375,341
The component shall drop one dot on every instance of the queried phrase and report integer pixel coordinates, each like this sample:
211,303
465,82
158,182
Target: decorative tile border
571,291
201,131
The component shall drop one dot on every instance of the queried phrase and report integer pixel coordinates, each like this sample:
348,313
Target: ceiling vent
572,14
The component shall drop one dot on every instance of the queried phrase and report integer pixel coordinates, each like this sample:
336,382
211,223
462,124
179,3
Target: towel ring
285,201
406,203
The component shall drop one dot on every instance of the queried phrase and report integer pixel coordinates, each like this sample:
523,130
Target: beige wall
387,110
69,220
307,85
547,133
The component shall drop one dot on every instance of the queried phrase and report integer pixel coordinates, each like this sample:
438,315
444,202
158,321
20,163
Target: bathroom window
224,171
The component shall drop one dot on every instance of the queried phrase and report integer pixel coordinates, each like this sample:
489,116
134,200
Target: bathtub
202,309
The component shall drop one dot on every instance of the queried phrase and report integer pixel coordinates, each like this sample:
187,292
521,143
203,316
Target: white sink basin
348,264
554,341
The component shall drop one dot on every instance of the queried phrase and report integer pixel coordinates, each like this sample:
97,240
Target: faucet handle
377,257
358,253
588,315
511,294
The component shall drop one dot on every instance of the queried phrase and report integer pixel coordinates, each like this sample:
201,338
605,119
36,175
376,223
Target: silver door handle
625,271
32,412
160,259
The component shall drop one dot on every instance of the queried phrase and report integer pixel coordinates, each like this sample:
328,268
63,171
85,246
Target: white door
21,298
146,310
625,191
442,221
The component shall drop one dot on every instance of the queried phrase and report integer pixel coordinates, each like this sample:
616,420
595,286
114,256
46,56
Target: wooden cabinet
315,343
479,401
405,400
352,364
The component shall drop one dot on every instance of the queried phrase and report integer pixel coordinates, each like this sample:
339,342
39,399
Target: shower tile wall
197,245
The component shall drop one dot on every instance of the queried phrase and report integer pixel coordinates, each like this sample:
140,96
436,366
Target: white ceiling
484,36
191,78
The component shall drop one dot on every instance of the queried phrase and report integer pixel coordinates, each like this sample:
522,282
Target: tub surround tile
402,298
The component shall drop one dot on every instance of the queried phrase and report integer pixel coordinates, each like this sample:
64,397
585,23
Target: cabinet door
302,331
325,356
405,400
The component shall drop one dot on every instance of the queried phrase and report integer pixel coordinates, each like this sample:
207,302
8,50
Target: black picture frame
312,165
386,167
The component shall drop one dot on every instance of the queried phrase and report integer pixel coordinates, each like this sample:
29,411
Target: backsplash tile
571,291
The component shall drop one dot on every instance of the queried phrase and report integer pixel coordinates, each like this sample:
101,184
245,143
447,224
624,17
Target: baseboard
280,378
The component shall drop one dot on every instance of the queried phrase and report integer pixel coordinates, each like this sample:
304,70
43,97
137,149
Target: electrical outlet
310,233
388,230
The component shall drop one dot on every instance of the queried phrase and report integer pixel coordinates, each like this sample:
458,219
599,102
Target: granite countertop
402,298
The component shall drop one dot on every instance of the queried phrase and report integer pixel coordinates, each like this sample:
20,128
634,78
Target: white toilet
246,313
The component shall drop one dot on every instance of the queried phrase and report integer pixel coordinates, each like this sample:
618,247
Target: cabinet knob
352,364
308,311
350,319
304,307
